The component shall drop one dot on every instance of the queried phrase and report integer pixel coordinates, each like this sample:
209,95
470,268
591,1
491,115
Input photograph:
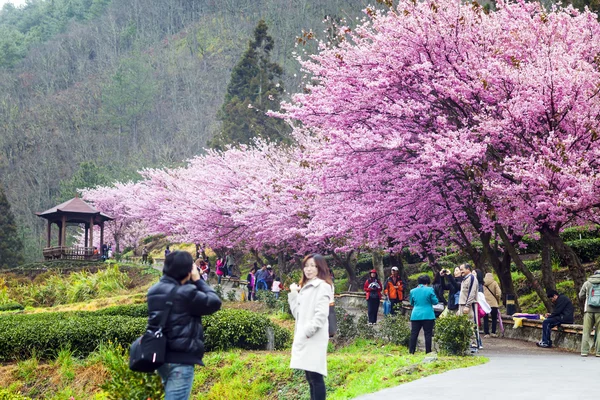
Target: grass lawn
359,368
363,367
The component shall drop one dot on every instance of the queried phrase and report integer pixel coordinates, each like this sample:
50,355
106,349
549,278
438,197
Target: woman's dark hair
424,280
323,270
479,275
178,264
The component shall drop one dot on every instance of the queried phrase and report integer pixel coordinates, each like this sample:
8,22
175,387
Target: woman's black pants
372,309
486,323
317,385
427,325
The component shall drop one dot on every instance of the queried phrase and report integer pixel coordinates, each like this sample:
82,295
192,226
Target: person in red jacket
373,289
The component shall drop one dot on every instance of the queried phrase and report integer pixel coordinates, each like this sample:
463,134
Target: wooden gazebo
73,212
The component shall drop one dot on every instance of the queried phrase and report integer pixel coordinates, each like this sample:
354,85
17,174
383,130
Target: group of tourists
467,291
262,279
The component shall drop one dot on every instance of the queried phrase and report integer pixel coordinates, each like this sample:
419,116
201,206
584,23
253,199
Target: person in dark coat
183,330
562,314
452,284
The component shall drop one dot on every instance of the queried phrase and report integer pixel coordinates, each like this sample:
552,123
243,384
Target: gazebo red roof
74,206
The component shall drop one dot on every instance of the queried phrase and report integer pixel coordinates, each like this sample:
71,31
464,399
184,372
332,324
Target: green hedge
11,306
587,249
580,233
22,335
242,329
130,310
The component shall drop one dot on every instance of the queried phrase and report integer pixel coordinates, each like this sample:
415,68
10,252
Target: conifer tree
10,242
255,88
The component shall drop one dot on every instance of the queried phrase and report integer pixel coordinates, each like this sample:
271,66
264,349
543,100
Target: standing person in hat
373,289
393,290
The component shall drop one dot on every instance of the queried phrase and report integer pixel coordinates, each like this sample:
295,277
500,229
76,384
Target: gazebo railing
70,253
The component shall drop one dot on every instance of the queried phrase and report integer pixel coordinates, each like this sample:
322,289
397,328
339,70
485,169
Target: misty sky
15,2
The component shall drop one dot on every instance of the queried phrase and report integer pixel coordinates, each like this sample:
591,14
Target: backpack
594,296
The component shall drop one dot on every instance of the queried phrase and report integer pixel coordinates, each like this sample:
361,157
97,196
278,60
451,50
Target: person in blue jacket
422,298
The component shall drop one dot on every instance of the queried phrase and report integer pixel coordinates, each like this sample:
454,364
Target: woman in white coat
309,304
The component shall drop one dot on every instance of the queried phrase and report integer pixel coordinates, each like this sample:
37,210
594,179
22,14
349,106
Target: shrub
364,262
231,296
242,329
580,232
11,306
123,382
453,334
268,298
395,329
534,265
219,291
43,334
346,327
130,310
586,249
364,330
83,331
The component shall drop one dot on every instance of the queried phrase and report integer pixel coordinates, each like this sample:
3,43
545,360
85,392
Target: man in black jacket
562,314
185,337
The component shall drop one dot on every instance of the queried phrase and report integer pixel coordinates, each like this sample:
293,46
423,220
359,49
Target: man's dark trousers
547,326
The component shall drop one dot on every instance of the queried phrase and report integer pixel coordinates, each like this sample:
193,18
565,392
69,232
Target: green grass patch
360,368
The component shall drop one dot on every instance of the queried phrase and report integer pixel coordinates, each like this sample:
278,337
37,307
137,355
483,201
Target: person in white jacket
309,304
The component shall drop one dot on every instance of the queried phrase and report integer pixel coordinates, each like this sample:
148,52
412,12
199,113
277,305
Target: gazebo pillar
91,232
101,233
86,234
63,237
49,233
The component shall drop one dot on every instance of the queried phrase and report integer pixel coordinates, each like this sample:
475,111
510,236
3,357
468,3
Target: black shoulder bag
147,353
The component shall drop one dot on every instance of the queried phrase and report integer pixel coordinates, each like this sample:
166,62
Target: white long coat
310,308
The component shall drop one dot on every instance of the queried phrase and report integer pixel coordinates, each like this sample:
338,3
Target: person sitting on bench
562,314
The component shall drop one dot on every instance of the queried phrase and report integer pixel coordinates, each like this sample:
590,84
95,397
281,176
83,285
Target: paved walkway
516,370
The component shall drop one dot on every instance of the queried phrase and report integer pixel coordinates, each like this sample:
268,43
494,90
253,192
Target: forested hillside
93,90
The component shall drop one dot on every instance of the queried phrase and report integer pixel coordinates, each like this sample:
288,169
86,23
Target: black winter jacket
452,284
185,336
563,309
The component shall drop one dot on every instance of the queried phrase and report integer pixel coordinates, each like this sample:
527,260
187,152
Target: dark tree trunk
501,267
282,264
433,264
257,257
348,261
547,275
567,257
528,275
377,258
